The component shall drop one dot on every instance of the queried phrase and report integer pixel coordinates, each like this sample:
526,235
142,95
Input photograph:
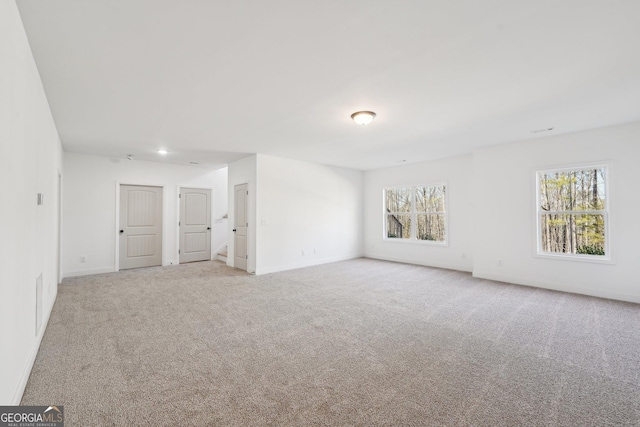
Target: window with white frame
573,212
416,213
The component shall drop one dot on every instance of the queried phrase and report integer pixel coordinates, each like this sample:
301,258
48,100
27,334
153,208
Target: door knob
121,231
208,228
234,230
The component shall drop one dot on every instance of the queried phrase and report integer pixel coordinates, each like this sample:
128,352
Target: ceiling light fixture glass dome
363,117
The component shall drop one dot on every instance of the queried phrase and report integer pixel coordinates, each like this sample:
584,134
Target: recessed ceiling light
363,117
162,151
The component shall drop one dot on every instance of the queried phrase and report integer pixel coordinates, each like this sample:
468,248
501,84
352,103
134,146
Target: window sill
592,259
416,242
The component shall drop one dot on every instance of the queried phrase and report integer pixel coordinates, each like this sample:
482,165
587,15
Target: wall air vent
542,130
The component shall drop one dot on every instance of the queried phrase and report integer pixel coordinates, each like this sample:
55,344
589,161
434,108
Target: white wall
243,171
90,212
492,212
219,225
503,182
457,174
30,161
306,208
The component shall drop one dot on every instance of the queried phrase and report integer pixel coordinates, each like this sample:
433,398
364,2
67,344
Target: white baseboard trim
425,263
311,263
557,287
26,371
89,272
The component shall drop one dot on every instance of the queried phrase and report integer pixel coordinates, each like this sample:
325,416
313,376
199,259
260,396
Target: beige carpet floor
360,342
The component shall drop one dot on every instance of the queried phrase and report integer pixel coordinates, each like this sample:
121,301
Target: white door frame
176,254
116,231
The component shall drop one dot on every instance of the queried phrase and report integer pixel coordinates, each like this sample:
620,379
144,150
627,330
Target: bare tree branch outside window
416,213
573,211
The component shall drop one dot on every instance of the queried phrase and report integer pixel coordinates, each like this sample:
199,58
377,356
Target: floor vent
38,303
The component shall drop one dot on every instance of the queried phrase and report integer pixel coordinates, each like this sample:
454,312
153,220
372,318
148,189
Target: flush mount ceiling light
162,151
363,117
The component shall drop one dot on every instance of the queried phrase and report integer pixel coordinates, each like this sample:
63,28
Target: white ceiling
212,81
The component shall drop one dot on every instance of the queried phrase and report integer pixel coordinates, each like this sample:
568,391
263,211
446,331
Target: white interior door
195,225
140,226
241,223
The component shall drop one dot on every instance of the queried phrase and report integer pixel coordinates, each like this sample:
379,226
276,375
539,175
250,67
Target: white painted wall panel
90,206
457,173
492,212
219,226
504,220
307,214
30,160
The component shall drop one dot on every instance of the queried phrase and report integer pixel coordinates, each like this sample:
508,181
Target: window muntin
573,212
416,213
